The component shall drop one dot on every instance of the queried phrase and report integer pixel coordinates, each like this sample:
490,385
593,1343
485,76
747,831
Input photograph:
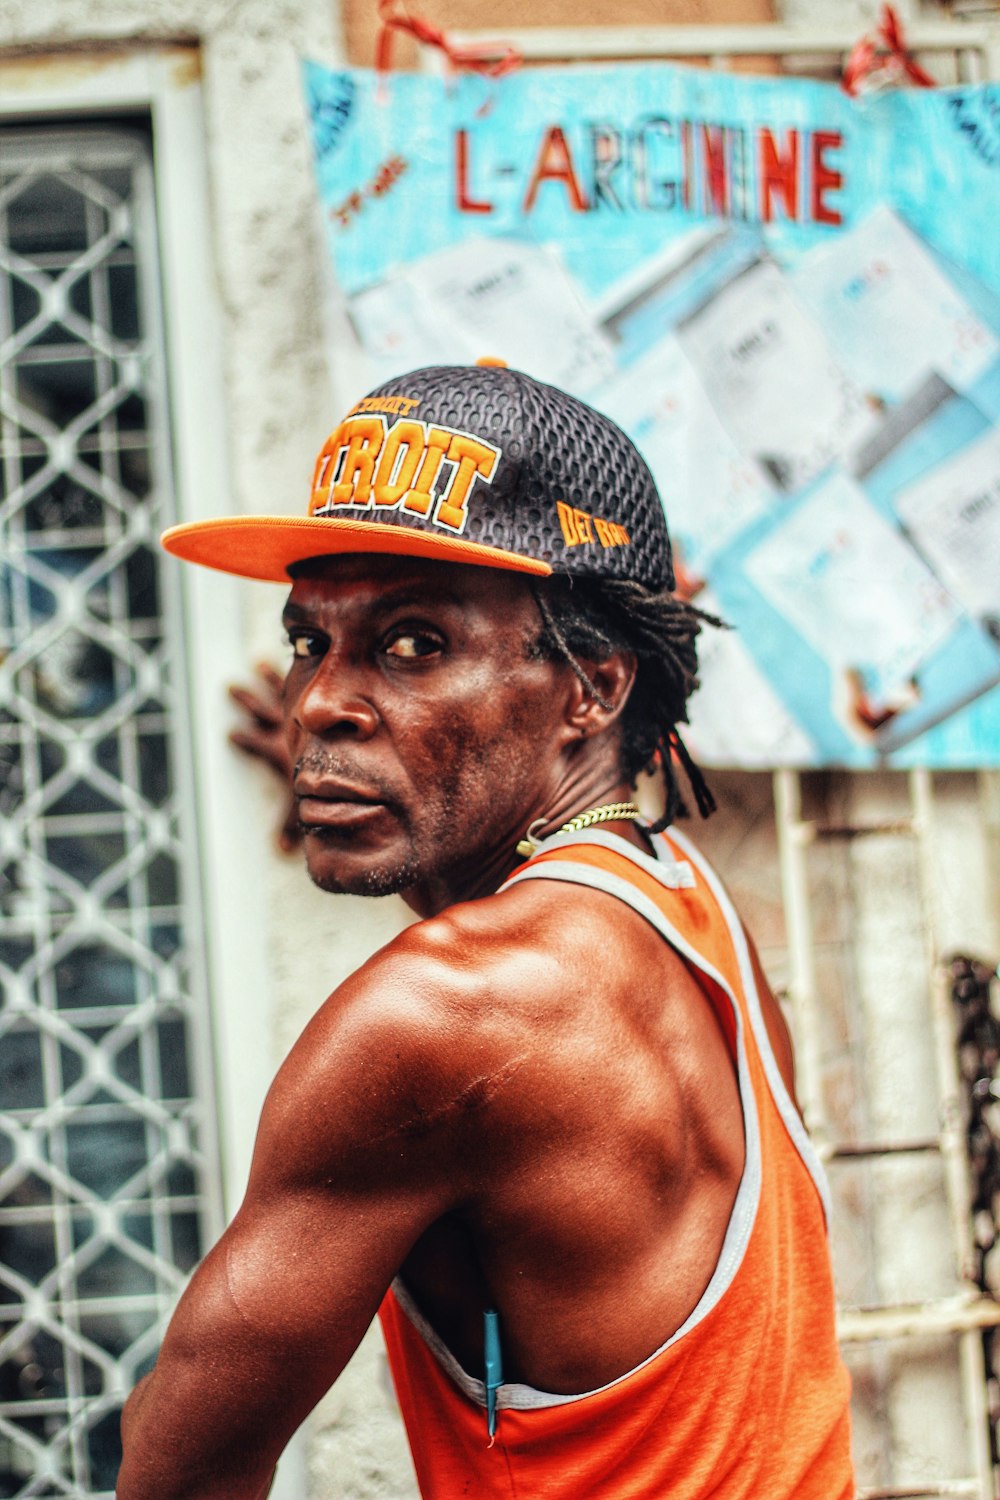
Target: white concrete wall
861,13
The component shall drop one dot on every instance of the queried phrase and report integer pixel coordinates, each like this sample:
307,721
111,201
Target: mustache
326,763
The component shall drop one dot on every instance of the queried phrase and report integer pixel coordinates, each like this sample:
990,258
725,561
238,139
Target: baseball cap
465,463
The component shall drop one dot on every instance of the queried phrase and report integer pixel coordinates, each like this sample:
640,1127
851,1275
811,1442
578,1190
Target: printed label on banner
837,549
773,379
893,317
953,516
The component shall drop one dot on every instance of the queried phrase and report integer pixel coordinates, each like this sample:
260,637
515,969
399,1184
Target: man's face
424,732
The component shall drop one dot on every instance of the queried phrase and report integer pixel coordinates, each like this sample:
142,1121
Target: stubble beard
440,837
372,879
386,879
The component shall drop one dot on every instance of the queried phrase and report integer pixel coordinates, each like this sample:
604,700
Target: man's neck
486,870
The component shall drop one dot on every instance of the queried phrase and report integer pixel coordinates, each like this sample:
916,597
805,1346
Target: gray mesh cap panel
555,452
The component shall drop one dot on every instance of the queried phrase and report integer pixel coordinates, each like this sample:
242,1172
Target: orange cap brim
266,546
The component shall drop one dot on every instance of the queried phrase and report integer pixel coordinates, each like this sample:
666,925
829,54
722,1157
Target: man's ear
590,711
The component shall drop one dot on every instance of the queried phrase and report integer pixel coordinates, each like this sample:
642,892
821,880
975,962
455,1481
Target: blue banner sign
789,298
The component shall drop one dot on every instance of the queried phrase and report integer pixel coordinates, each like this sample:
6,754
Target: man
547,1132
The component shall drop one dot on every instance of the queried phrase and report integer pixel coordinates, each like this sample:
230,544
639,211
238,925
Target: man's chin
352,872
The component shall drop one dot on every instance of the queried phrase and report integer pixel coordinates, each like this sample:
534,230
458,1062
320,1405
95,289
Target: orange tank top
748,1400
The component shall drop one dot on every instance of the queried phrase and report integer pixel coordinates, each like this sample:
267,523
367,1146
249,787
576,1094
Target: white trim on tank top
672,875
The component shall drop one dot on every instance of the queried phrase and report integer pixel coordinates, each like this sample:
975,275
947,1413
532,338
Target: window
107,1157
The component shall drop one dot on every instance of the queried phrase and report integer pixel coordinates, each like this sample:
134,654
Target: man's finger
258,742
274,679
268,745
264,709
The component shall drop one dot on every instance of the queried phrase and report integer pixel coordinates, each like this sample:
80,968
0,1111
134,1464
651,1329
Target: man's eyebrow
294,612
405,596
402,596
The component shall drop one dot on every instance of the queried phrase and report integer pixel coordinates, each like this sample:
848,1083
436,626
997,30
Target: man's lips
327,790
328,804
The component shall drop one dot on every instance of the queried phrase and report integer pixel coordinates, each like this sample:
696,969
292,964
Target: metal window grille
108,1186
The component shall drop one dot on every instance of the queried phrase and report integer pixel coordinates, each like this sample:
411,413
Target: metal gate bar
968,1313
975,45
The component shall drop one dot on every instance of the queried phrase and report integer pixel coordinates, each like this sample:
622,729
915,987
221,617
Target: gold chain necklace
610,812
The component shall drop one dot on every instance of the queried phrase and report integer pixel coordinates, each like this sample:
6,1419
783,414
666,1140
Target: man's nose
334,700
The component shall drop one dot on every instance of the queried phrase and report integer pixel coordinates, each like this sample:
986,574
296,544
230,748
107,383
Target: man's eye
412,644
305,643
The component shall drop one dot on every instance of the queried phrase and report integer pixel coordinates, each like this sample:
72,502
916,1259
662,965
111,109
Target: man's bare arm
355,1158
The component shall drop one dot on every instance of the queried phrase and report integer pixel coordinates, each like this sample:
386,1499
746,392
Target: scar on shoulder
475,1095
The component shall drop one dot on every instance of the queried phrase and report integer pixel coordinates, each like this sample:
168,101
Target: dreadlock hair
593,617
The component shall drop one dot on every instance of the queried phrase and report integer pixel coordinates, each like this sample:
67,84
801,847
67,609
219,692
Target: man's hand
264,739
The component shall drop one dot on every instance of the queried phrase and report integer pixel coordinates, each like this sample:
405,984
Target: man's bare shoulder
487,972
445,978
425,1036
